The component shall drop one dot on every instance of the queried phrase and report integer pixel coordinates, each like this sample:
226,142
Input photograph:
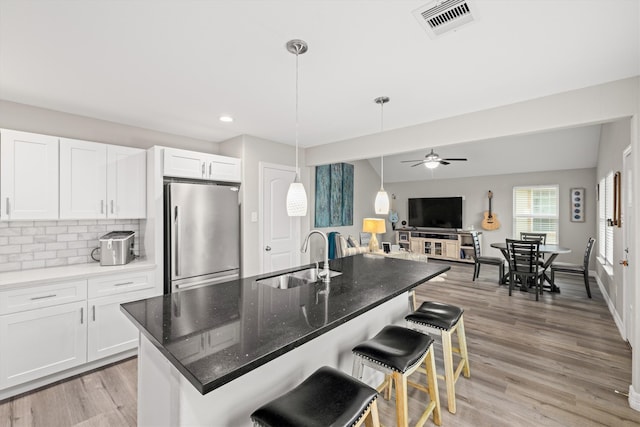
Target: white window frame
518,215
605,231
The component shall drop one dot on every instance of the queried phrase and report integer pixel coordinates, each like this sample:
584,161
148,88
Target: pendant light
297,196
382,198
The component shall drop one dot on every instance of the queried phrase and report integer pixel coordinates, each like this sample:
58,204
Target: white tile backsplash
37,244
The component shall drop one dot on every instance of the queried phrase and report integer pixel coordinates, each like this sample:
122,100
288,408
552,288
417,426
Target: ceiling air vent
439,17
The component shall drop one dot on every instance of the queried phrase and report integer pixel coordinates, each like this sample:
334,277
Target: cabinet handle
101,206
93,309
81,315
123,283
210,170
8,208
203,171
112,207
43,297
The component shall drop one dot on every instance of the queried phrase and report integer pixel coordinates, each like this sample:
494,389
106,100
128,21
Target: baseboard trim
634,399
614,313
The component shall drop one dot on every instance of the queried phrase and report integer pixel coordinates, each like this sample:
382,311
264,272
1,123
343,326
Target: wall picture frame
577,204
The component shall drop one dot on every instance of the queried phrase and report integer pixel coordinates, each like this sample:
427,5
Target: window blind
609,214
535,209
602,219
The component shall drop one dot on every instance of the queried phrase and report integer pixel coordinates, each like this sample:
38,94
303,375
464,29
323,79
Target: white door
126,182
280,232
628,270
83,179
29,176
40,342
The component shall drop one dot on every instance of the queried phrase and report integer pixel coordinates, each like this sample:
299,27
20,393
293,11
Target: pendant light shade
382,198
297,196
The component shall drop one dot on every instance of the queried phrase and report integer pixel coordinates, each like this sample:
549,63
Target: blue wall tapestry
334,195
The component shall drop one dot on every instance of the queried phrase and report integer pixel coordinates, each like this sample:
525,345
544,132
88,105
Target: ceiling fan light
296,200
382,203
431,165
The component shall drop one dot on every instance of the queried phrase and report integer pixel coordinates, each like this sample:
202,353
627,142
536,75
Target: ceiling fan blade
418,164
443,162
409,161
458,160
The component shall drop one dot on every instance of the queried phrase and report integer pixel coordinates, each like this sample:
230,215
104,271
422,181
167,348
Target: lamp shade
431,164
373,225
382,203
296,200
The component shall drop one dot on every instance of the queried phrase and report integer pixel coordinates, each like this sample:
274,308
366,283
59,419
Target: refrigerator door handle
176,225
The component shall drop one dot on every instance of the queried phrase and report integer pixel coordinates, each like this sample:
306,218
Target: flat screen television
435,212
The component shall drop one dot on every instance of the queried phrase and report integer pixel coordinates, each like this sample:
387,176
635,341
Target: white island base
167,398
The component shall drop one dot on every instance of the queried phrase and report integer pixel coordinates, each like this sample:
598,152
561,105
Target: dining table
551,250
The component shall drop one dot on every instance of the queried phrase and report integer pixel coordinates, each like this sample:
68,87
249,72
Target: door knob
624,263
267,248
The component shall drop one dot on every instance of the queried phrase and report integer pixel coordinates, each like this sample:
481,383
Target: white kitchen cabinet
126,182
83,179
28,176
110,332
99,181
191,164
40,342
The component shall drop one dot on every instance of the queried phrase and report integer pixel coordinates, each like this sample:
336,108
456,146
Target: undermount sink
294,279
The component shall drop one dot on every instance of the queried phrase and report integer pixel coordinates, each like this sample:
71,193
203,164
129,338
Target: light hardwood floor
555,362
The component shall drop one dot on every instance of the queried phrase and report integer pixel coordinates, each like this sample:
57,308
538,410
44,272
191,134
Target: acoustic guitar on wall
490,221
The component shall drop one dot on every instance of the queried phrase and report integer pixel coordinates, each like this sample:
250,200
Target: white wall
474,190
49,122
614,139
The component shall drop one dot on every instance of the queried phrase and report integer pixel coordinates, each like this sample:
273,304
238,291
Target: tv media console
450,245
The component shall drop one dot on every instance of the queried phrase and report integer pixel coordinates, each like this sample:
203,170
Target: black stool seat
491,260
436,314
328,397
395,347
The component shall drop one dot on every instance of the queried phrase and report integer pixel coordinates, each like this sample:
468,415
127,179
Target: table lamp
373,226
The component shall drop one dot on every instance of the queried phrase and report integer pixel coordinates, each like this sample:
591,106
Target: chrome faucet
325,271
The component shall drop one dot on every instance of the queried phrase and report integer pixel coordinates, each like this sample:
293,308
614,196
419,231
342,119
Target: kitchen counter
37,276
220,333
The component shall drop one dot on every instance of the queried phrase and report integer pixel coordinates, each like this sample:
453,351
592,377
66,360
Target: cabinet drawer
120,283
23,299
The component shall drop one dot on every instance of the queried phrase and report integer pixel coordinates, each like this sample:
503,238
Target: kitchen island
210,356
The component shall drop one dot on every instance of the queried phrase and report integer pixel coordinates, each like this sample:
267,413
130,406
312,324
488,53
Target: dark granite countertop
217,333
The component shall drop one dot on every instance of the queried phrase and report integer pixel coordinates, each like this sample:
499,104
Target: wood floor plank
554,363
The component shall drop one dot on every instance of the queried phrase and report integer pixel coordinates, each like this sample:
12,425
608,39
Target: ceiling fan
432,160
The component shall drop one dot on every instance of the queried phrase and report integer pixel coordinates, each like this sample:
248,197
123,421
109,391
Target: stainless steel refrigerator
202,234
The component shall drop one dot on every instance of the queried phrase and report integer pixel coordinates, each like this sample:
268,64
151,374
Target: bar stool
444,319
328,397
397,352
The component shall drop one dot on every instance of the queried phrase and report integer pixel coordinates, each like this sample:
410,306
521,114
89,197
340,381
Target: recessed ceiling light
226,119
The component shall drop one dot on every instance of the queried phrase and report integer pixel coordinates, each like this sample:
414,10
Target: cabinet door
126,182
184,164
28,176
40,342
221,168
416,246
110,332
451,250
83,179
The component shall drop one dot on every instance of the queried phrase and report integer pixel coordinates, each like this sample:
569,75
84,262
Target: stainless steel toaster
116,248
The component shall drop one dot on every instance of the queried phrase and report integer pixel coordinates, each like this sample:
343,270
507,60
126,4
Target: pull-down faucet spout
325,270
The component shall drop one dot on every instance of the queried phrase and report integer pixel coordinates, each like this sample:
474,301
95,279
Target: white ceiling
176,66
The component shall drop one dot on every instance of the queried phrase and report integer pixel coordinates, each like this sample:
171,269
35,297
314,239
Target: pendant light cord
381,156
298,47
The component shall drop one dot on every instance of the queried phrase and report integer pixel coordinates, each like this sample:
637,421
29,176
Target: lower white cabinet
110,332
40,342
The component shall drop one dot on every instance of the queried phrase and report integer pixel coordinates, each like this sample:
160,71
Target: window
535,209
605,211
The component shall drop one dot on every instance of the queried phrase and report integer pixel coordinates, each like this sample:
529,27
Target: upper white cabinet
83,179
100,181
28,176
191,164
126,182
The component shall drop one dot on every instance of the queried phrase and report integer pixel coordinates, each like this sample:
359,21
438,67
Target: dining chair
583,269
524,265
478,259
535,237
